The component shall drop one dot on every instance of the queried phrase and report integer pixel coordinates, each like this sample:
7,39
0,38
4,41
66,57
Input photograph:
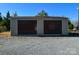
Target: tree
8,15
42,13
15,14
0,17
3,25
70,25
4,22
7,21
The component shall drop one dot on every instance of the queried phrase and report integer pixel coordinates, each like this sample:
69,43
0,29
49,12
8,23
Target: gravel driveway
39,45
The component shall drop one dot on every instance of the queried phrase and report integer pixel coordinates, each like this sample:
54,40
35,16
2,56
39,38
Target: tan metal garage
37,25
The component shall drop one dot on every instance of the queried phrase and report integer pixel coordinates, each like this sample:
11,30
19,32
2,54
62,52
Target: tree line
5,22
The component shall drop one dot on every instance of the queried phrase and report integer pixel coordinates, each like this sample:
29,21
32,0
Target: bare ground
22,45
5,34
39,45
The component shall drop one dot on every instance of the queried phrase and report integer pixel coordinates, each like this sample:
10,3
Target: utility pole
78,17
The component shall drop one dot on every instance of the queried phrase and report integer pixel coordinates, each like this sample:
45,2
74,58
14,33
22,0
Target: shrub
70,25
3,28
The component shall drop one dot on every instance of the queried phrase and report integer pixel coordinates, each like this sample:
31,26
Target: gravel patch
19,45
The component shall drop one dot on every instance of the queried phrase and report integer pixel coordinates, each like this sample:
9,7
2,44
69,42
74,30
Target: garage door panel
26,26
52,27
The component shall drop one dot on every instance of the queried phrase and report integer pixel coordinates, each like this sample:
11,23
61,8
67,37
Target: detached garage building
37,25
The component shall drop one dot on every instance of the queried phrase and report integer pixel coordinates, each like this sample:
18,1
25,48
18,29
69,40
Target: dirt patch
5,34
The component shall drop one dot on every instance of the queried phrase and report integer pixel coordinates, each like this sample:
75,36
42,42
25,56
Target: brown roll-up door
27,26
52,26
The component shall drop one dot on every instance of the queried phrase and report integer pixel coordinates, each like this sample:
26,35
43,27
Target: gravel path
39,45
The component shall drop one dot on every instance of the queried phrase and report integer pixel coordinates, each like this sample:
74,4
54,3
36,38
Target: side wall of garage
65,27
13,27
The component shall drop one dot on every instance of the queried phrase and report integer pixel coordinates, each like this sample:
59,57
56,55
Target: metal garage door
52,27
27,27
